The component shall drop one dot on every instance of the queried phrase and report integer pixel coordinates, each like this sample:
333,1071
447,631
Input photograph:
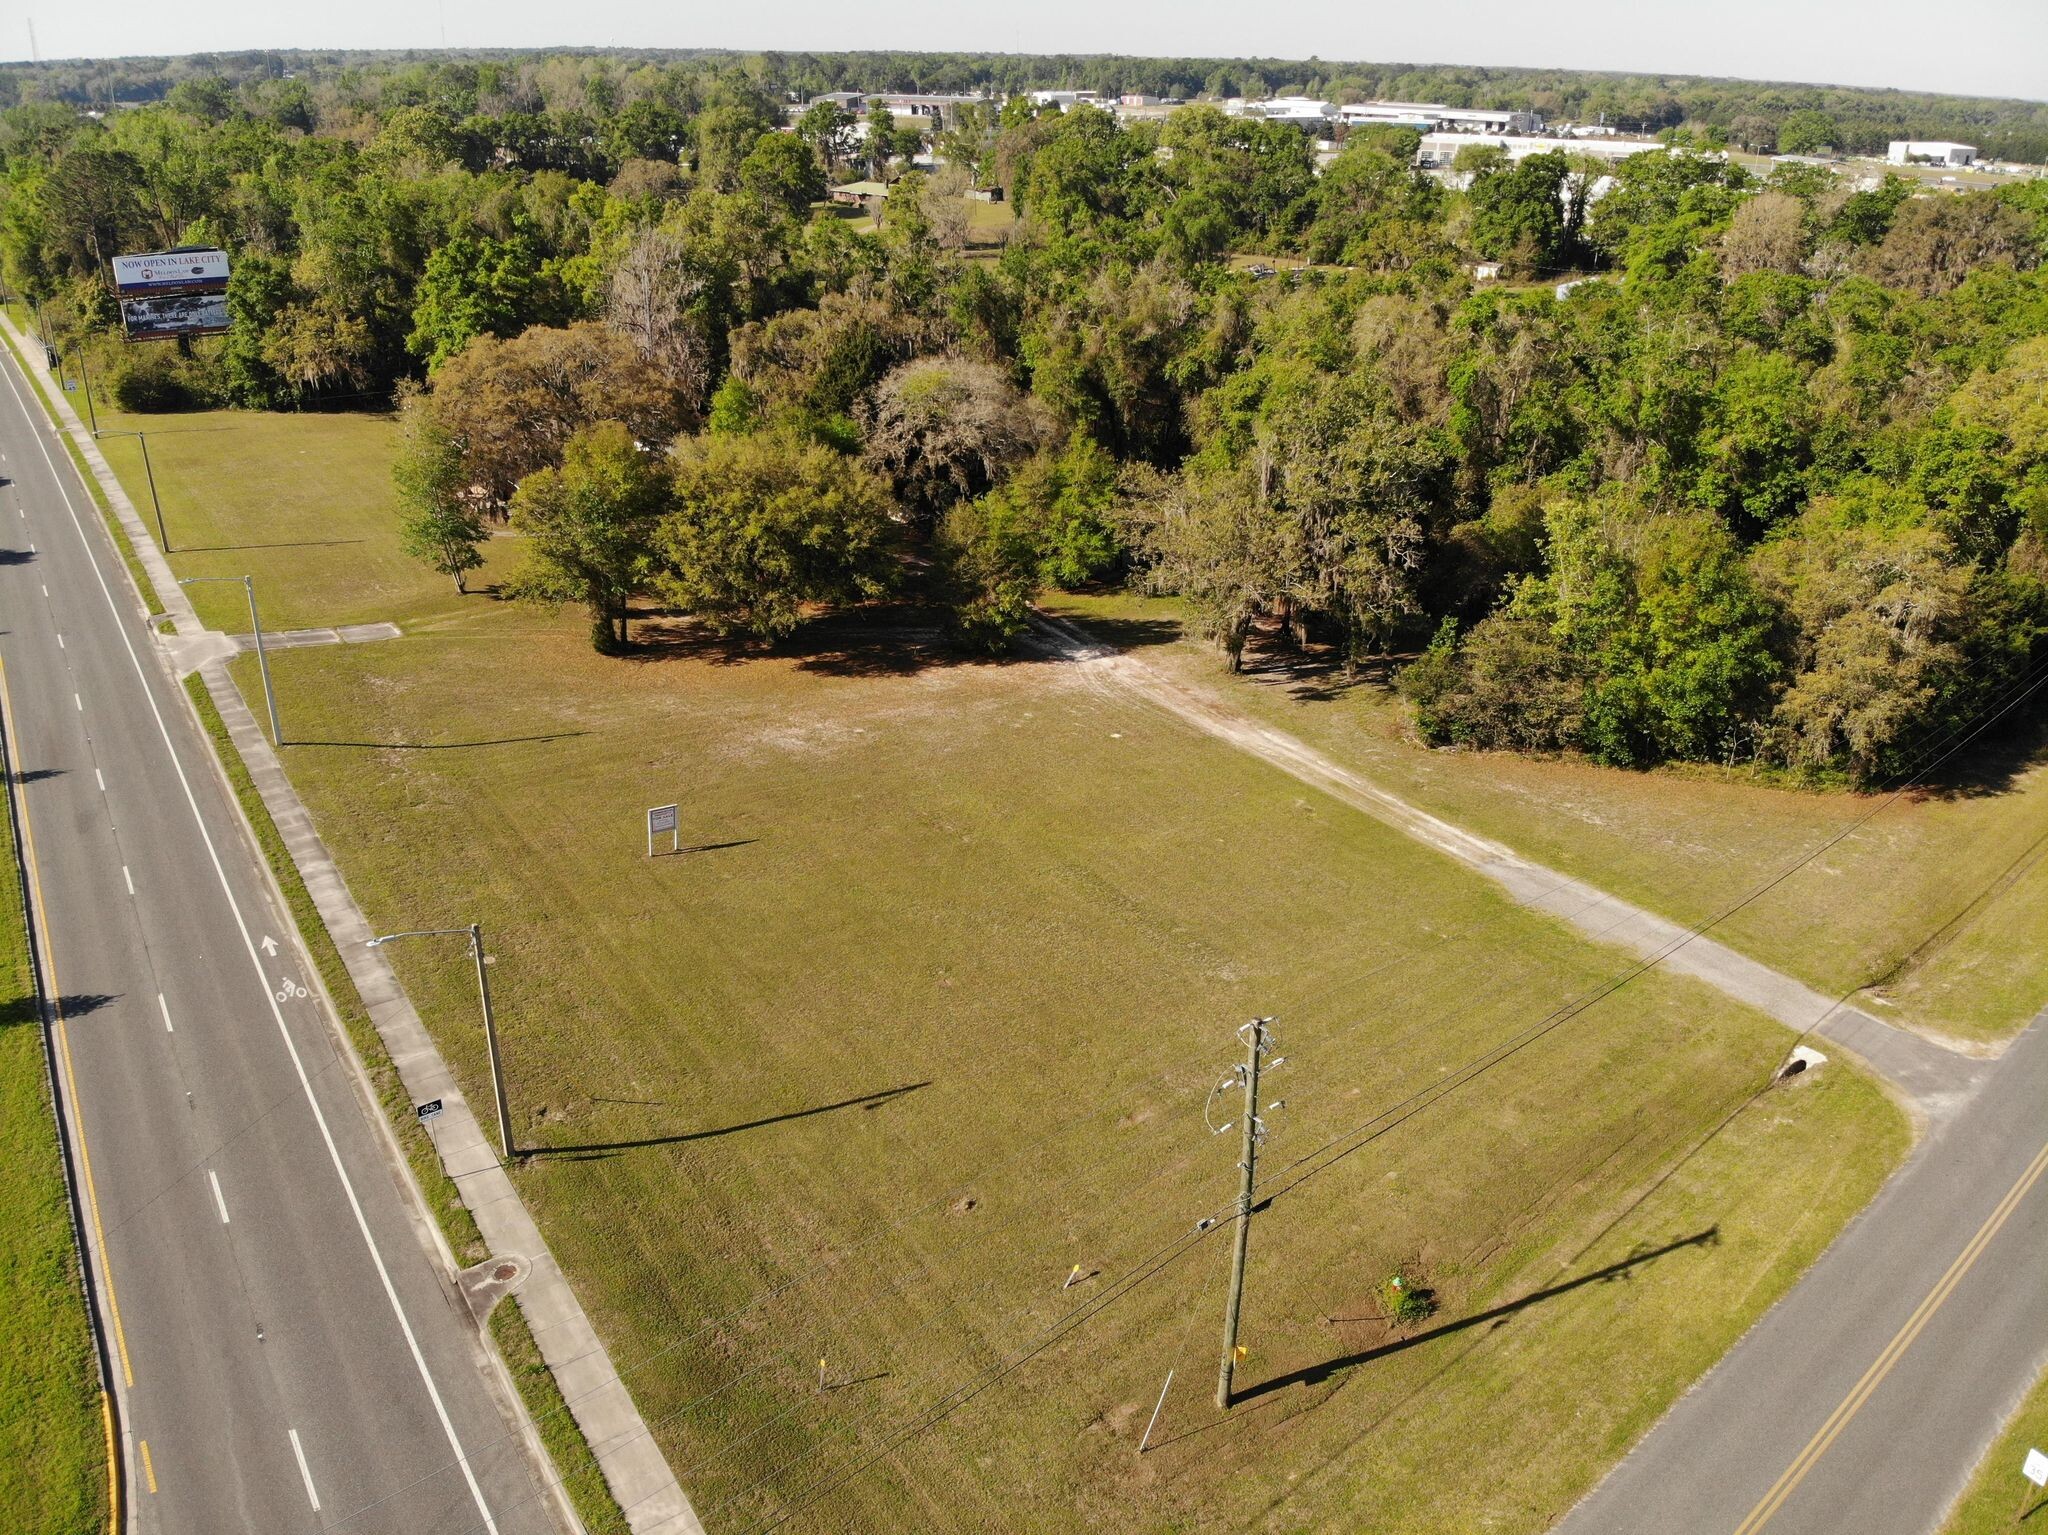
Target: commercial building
1304,112
1440,149
1433,116
1930,152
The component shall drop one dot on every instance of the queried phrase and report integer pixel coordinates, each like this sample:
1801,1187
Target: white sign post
663,818
2035,1469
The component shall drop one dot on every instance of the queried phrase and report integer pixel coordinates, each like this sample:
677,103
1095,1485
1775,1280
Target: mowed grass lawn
301,502
1938,904
1995,1494
53,1462
930,1019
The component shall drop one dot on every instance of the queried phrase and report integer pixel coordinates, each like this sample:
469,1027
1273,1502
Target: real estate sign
172,293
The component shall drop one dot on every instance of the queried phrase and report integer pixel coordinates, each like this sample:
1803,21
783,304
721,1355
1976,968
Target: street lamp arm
419,932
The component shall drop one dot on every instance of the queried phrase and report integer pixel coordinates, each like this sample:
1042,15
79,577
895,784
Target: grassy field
928,1017
1921,904
1993,1498
53,1463
302,502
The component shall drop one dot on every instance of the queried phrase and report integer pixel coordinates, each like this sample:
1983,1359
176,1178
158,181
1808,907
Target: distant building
1930,152
942,111
858,193
1433,116
1303,112
1065,99
1438,150
1137,99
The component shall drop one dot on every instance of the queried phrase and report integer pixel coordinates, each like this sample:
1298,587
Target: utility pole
483,990
1258,1039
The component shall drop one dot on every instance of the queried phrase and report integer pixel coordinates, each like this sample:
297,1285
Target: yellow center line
148,1466
1893,1351
92,1198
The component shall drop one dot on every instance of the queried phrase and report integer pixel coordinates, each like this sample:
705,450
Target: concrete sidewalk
639,1477
633,1466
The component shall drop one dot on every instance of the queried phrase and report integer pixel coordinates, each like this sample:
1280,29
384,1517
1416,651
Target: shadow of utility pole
869,1101
1316,1374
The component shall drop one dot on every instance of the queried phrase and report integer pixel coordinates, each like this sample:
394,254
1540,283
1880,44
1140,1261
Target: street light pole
475,934
483,991
156,505
262,660
85,378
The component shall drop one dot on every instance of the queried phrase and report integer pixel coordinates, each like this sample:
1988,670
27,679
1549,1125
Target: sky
1974,47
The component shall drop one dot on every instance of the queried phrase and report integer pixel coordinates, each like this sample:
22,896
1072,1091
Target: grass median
1917,908
53,1450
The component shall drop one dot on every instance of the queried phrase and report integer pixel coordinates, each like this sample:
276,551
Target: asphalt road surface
1866,1397
287,1354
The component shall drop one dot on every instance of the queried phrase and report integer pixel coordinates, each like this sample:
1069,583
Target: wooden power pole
1258,1039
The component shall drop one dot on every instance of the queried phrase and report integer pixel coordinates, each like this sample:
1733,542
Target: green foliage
1808,132
439,523
761,527
590,525
1407,1301
476,287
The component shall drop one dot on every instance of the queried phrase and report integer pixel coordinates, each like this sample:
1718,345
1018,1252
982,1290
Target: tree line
1747,112
1772,487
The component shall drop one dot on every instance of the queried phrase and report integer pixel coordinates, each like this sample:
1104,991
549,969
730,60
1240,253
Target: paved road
286,1348
1863,1401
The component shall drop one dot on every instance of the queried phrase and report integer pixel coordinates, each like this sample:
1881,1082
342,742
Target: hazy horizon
1991,48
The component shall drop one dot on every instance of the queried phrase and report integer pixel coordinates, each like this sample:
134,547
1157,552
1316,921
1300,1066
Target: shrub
1407,1301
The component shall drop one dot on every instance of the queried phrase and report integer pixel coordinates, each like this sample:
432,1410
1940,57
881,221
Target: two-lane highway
286,1351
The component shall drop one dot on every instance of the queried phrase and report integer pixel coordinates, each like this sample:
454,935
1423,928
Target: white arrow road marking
269,944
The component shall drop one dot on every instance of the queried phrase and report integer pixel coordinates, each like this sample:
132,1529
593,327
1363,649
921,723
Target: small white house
1931,152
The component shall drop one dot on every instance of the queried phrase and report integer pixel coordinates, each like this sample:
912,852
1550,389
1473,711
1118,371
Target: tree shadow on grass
866,1102
881,639
878,640
1991,764
1315,1375
1315,672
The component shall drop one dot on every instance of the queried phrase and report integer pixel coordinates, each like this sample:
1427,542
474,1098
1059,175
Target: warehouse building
1930,152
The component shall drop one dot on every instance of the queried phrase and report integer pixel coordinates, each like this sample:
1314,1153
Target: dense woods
1773,487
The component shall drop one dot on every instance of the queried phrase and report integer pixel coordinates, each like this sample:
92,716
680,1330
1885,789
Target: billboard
166,294
182,314
180,271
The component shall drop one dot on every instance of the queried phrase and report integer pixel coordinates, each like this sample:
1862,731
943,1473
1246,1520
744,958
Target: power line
2014,692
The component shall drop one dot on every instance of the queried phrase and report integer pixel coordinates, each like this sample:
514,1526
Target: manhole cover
505,1271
